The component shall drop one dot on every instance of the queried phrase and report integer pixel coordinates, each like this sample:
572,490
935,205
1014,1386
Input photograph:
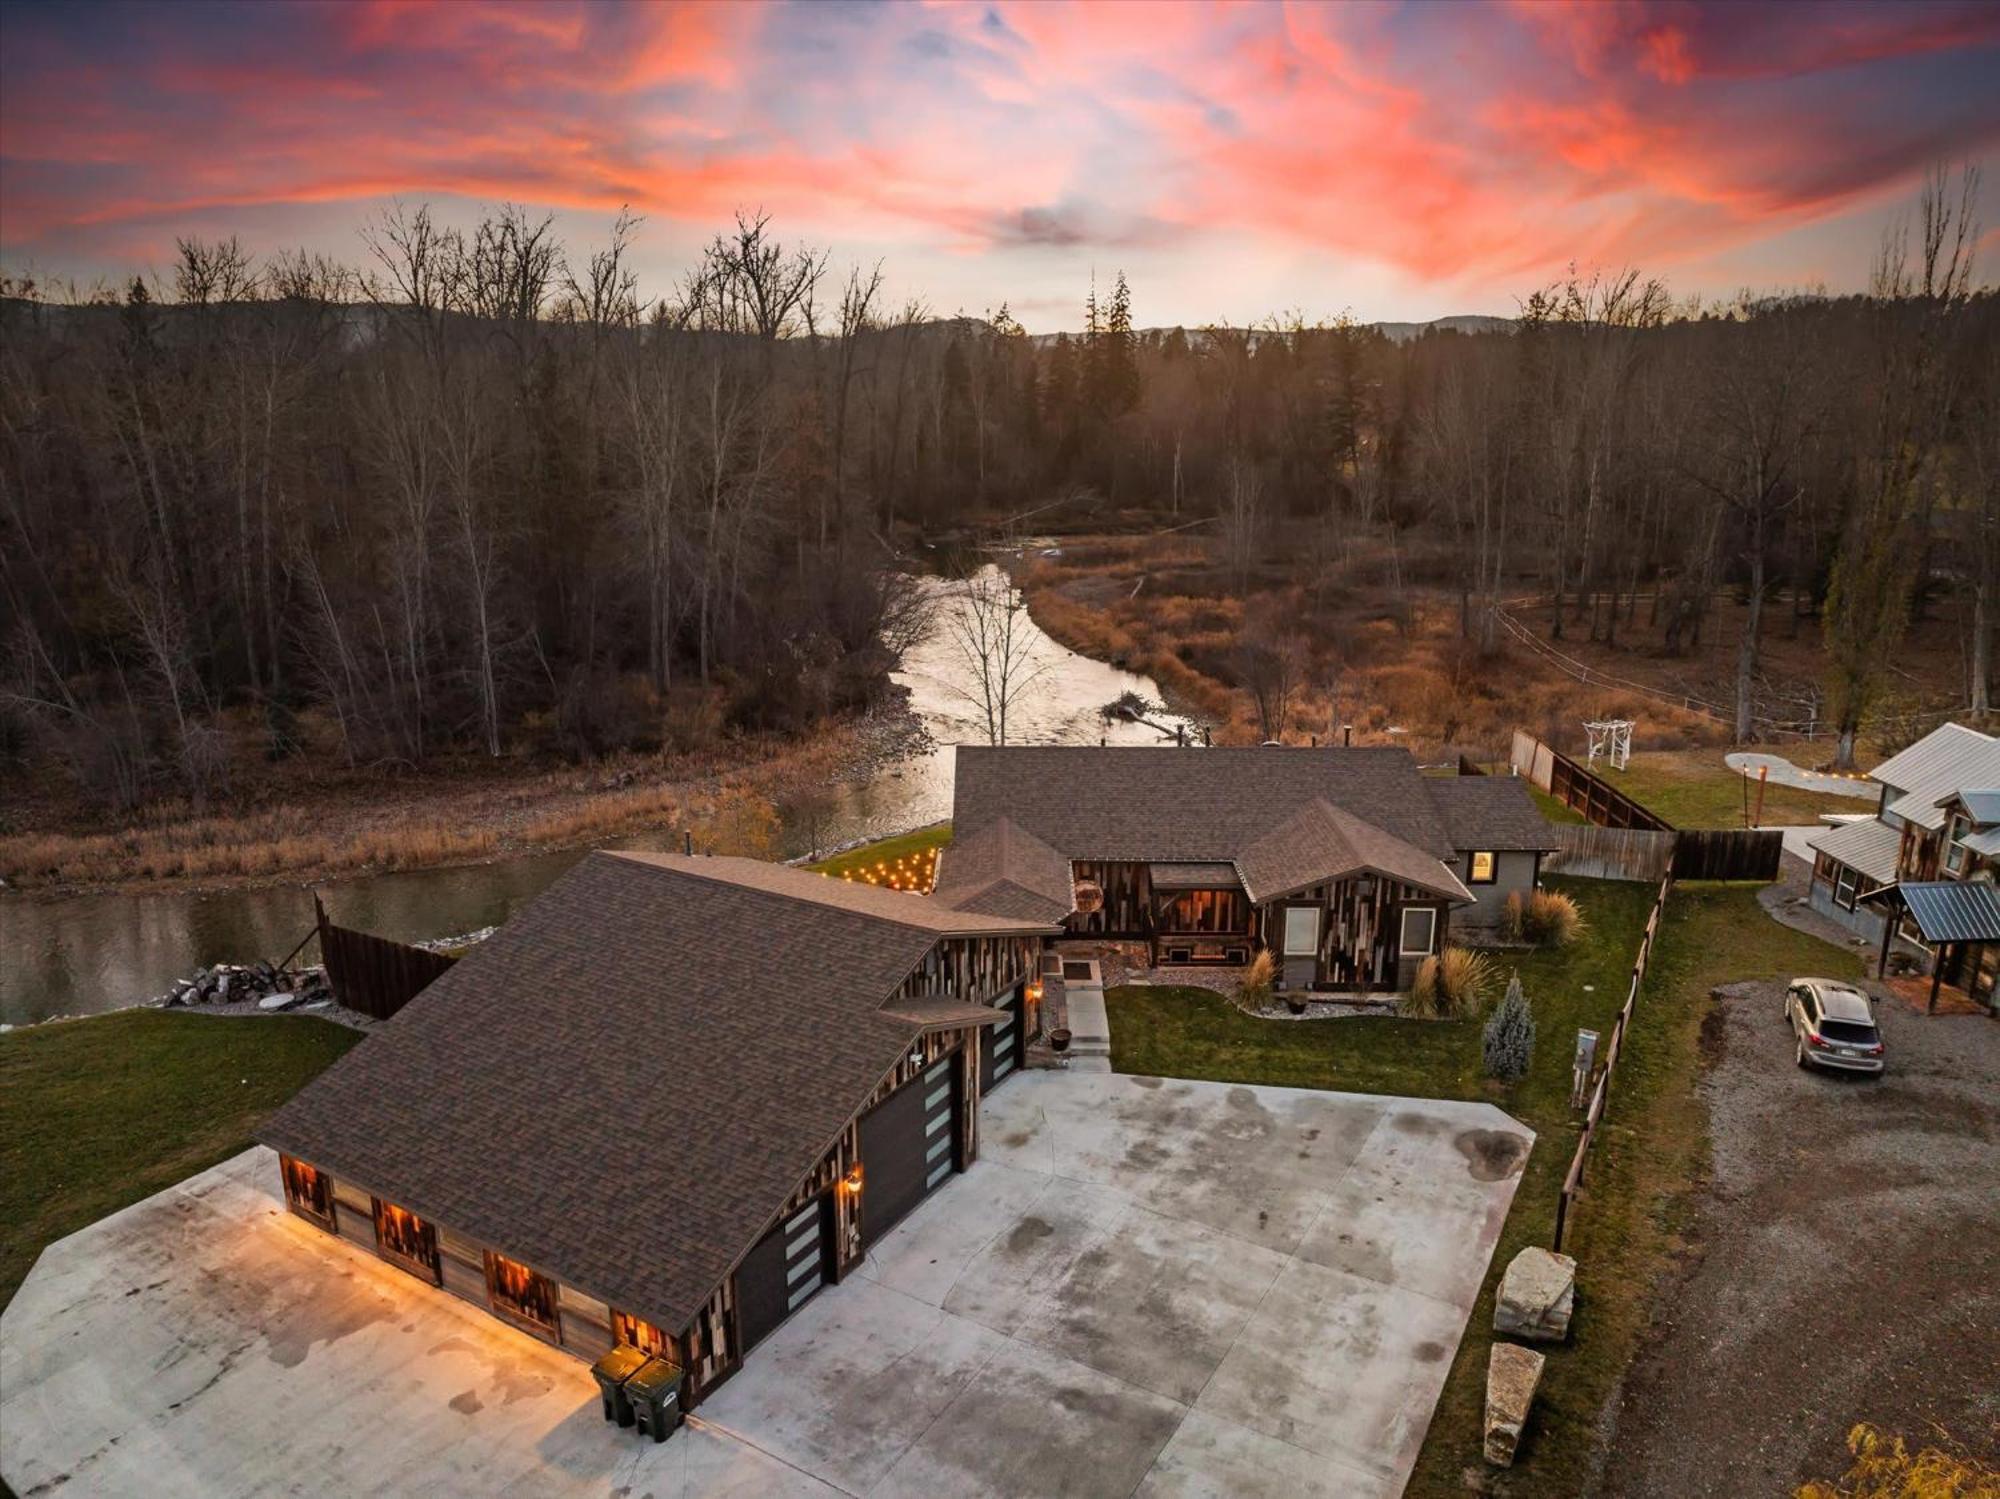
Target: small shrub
1886,1469
1514,918
1509,1041
1450,985
1551,919
1255,991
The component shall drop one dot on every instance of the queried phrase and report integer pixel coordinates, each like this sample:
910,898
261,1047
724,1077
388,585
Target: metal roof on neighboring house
1945,760
1868,846
1982,804
1952,910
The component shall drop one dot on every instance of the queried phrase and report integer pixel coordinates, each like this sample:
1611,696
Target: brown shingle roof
1004,870
1172,805
1185,805
623,1084
1490,812
1322,842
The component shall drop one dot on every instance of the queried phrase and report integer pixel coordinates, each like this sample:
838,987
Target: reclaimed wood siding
1362,930
976,970
1128,899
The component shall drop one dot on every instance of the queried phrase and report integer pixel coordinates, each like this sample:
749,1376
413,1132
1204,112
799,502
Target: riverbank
468,811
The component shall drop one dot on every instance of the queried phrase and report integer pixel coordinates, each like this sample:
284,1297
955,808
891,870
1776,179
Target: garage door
1000,1045
909,1145
780,1275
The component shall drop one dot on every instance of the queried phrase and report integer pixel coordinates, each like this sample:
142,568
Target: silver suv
1833,1025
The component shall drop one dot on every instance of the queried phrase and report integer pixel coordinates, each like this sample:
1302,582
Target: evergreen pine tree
1510,1035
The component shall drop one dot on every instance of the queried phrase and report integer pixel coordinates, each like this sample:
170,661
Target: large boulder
1536,1297
1512,1375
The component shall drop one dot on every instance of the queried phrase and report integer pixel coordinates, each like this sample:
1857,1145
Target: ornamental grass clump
1547,918
1449,986
1255,991
1509,1040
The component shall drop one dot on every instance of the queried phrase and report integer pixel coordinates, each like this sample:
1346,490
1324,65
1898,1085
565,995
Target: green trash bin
655,1393
617,1366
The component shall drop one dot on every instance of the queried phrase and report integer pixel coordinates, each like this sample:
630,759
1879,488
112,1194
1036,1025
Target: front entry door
1300,955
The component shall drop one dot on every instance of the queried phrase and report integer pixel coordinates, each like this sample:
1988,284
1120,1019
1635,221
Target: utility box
611,1371
655,1393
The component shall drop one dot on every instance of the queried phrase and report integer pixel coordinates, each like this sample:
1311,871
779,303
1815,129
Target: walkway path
1090,1028
1784,773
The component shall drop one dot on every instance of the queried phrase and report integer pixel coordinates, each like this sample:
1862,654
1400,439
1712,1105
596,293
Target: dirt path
1843,1267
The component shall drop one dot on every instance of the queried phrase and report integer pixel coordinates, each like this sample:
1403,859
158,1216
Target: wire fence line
1600,1095
1721,713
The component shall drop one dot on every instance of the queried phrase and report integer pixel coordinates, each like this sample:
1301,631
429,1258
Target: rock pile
240,983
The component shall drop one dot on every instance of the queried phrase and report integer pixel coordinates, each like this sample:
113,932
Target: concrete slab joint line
1144,1286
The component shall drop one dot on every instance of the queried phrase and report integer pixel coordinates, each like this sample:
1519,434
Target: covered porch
1957,922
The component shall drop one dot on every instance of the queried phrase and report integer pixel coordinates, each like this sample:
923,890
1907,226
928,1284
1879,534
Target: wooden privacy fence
1578,789
372,974
1600,1095
1610,853
1728,853
1628,841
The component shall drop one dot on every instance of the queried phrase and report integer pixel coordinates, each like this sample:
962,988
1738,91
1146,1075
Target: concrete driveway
1142,1287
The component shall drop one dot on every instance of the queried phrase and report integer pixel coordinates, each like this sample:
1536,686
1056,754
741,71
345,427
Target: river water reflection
89,953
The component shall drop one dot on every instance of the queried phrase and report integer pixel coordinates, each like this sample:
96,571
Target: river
85,954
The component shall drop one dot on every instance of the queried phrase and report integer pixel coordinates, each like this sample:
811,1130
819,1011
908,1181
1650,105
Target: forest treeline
483,493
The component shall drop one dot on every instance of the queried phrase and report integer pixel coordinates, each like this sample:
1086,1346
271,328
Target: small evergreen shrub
1509,1040
1451,984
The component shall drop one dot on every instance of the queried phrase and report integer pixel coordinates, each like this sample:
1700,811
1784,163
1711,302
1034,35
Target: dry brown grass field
1393,663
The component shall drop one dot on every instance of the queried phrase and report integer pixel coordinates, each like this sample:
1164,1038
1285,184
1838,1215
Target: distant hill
1402,333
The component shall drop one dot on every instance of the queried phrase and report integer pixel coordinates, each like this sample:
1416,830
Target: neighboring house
1349,863
668,1100
1938,819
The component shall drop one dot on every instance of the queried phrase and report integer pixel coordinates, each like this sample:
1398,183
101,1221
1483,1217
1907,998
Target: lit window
527,1296
1419,930
405,1239
308,1191
1482,868
640,1334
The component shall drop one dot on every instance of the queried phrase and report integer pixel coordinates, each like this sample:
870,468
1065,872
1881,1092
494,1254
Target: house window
1844,886
1301,931
1954,846
1419,930
308,1191
640,1334
404,1239
520,1294
1483,867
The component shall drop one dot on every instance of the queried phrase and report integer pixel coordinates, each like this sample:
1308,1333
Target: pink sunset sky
1395,161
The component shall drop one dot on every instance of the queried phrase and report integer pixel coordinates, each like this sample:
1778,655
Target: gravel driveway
1843,1265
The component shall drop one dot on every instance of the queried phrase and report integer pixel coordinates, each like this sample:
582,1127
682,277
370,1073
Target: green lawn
1694,789
887,851
1645,1165
98,1113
